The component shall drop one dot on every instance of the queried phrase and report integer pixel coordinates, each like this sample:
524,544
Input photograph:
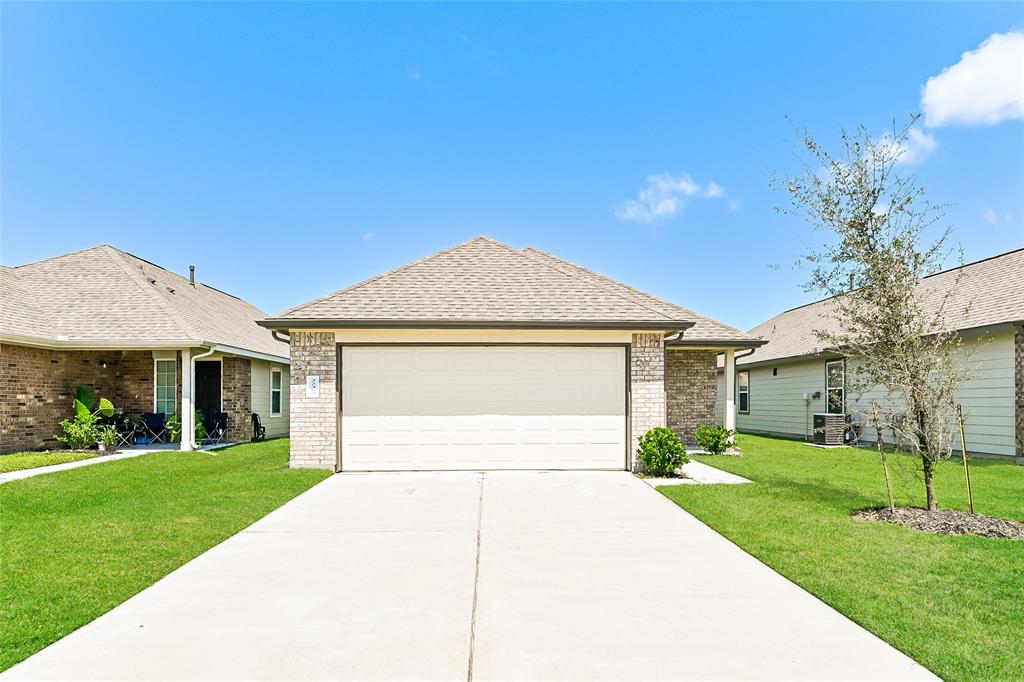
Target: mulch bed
946,522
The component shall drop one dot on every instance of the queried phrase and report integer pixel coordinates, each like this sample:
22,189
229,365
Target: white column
188,429
730,390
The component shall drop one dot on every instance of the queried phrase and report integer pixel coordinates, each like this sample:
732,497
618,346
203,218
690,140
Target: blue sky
289,150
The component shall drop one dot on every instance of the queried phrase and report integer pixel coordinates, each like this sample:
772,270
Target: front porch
40,387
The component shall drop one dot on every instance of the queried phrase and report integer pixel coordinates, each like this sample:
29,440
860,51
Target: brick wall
691,384
1018,373
313,428
647,386
38,387
236,399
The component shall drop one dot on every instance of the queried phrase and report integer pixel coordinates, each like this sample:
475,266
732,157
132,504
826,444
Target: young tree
878,249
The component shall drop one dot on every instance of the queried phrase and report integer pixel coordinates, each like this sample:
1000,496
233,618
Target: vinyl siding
277,425
777,405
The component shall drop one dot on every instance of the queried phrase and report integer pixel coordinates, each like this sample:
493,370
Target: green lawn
955,604
74,544
16,461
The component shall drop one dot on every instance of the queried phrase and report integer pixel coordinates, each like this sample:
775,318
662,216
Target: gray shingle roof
704,329
105,295
992,291
484,281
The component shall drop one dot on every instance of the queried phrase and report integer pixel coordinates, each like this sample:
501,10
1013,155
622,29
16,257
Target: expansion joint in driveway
476,580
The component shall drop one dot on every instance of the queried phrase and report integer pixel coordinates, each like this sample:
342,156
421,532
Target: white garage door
483,407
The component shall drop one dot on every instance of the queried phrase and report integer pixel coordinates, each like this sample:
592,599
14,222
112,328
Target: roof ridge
352,287
635,290
521,254
118,257
98,247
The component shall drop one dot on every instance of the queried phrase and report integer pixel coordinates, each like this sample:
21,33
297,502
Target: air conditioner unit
829,428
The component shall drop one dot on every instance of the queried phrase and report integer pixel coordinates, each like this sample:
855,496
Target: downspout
277,336
192,392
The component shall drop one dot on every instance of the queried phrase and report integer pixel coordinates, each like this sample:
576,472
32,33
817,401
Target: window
165,398
275,391
743,391
835,387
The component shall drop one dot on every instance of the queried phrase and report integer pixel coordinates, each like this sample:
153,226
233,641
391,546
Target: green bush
661,452
713,438
81,431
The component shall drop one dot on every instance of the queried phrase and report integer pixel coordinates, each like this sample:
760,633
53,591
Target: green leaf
84,396
106,408
81,410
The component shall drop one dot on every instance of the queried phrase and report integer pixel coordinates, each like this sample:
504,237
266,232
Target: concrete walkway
99,459
525,575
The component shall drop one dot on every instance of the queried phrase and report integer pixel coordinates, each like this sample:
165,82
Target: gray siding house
780,387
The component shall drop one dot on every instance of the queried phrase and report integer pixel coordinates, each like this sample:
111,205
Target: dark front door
208,388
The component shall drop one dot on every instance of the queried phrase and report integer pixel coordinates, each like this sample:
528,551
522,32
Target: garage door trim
339,466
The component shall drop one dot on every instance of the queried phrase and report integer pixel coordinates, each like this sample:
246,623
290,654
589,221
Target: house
483,356
144,337
780,387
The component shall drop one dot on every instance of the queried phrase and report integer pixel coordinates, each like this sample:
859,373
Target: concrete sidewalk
524,575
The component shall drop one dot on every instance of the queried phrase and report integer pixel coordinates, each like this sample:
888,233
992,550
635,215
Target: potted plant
106,439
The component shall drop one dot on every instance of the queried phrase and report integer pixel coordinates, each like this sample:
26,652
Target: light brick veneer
646,386
313,427
691,382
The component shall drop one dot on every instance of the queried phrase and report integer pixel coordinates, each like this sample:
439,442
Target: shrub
661,452
81,431
713,438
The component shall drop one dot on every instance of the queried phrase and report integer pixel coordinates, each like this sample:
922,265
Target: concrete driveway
525,575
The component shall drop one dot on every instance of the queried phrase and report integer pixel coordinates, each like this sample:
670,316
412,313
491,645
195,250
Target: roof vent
192,275
151,280
169,289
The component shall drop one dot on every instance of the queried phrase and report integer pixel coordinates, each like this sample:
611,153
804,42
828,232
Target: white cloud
714,190
992,216
368,236
918,146
663,196
414,74
735,204
985,87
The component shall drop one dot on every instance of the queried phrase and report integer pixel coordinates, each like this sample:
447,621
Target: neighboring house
483,356
146,338
779,388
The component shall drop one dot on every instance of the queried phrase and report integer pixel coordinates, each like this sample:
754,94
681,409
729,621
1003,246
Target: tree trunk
929,483
927,464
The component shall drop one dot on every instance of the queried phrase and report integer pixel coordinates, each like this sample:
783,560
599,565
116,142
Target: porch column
188,414
730,391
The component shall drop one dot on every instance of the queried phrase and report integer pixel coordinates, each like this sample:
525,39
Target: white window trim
828,405
280,391
740,389
156,364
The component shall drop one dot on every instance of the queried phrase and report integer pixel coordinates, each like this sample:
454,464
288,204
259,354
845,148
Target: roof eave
282,324
716,343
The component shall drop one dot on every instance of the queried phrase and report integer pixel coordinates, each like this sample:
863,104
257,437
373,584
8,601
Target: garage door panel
483,408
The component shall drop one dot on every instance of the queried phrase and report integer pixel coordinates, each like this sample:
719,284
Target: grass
74,544
954,604
17,461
